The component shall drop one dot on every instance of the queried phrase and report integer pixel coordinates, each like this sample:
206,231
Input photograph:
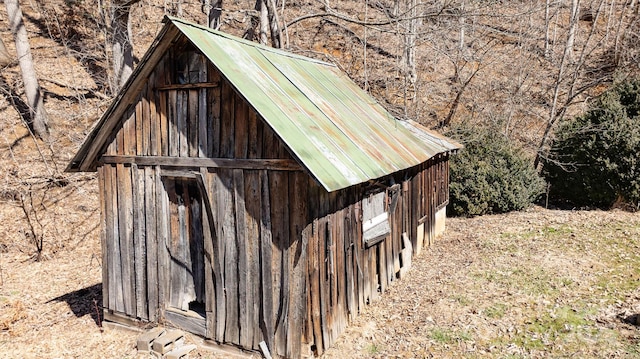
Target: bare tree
411,26
571,81
261,6
573,27
122,45
213,9
267,24
38,116
461,20
173,7
547,21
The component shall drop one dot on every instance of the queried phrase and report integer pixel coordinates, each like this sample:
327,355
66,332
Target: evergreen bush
490,175
594,158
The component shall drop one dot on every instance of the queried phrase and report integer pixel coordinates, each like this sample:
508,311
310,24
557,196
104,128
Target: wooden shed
249,194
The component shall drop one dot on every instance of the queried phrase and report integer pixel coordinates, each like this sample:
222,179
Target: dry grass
539,283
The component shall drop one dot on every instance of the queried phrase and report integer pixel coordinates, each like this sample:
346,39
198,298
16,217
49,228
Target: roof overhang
337,131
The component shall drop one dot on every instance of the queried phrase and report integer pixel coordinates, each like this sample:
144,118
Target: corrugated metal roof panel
431,137
337,130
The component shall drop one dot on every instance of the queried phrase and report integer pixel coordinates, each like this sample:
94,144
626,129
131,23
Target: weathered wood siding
284,261
255,256
344,274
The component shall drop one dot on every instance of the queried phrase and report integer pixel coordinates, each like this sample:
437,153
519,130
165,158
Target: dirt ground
539,283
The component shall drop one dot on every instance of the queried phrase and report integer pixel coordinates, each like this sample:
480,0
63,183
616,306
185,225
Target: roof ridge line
259,46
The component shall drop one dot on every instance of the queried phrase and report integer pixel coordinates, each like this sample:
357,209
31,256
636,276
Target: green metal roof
338,132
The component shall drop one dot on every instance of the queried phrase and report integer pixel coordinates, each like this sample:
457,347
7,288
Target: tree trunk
462,21
264,21
573,25
179,12
276,33
214,12
409,51
547,23
122,45
38,116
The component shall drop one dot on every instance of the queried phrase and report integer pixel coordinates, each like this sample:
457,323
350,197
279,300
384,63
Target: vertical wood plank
119,141
175,270
161,107
315,271
241,128
163,237
106,232
352,290
373,273
112,147
226,198
173,144
297,258
244,291
314,268
308,339
116,295
269,143
340,279
227,123
415,214
382,265
210,308
217,207
125,221
266,245
196,238
419,192
366,268
152,242
432,192
359,255
163,126
397,232
214,108
389,240
183,122
209,238
154,118
129,132
332,256
213,120
278,192
146,121
204,126
139,242
323,242
254,134
193,124
406,210
138,122
253,204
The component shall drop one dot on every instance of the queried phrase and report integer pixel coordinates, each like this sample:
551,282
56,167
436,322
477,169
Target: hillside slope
479,61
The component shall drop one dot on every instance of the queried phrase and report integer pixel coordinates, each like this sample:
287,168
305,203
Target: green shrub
594,158
490,175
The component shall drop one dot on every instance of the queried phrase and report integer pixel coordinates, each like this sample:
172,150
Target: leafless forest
524,65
